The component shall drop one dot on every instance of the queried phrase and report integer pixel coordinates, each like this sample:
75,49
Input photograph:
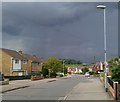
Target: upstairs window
24,61
16,61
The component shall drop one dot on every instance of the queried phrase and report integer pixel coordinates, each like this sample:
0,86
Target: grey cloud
46,14
11,29
68,30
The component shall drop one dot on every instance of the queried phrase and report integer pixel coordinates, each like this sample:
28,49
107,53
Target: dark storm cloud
46,14
11,29
71,30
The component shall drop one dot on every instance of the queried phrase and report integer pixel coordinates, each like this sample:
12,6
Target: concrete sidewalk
91,89
17,84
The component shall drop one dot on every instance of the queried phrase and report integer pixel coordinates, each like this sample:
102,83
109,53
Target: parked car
2,77
87,74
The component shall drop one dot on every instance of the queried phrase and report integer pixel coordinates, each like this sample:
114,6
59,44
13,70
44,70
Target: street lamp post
105,58
63,66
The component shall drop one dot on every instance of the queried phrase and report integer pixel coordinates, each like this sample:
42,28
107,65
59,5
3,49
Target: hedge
18,77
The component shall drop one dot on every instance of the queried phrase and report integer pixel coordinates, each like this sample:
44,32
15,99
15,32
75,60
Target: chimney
20,52
34,56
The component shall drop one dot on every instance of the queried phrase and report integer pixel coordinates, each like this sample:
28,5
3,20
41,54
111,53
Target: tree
54,65
116,73
114,69
44,70
72,61
84,70
65,70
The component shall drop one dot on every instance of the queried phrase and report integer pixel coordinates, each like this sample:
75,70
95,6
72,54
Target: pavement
94,90
18,84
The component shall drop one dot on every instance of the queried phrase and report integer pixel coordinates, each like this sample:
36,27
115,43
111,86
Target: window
24,61
16,61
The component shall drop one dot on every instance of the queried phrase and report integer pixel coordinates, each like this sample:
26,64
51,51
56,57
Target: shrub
116,73
81,73
101,74
37,73
91,73
61,75
53,75
45,72
119,87
18,77
97,75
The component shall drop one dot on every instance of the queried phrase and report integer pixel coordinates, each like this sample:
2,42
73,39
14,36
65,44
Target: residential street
59,51
75,88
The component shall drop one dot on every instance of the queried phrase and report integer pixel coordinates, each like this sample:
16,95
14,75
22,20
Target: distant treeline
71,61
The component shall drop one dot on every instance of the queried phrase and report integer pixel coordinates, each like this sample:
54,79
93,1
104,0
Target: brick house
14,63
34,62
11,63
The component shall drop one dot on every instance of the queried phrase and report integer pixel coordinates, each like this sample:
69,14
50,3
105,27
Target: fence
110,82
113,88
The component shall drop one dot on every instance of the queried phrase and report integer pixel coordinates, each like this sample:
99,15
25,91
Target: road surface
55,90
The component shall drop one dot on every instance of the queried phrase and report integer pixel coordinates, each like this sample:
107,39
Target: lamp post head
101,6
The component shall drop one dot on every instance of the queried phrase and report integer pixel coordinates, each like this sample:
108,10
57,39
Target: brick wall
6,64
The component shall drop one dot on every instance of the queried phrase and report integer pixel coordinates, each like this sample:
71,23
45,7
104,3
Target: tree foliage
84,70
54,64
71,61
116,73
115,68
45,71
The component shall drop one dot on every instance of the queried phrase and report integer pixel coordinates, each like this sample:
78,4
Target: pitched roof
30,57
12,53
20,55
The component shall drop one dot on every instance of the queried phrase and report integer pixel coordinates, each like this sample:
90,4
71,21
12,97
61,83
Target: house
101,66
74,69
98,66
11,62
34,63
15,63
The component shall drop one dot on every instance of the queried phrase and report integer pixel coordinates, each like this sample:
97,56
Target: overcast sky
65,30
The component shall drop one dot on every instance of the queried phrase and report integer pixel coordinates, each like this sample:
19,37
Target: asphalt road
56,90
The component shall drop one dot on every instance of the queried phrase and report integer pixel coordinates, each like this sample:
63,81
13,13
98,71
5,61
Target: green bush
97,75
102,75
37,73
116,73
76,73
61,75
65,75
45,72
18,77
119,87
53,75
84,70
81,73
91,73
101,70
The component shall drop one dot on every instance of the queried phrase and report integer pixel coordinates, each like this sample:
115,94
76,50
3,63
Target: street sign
107,70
